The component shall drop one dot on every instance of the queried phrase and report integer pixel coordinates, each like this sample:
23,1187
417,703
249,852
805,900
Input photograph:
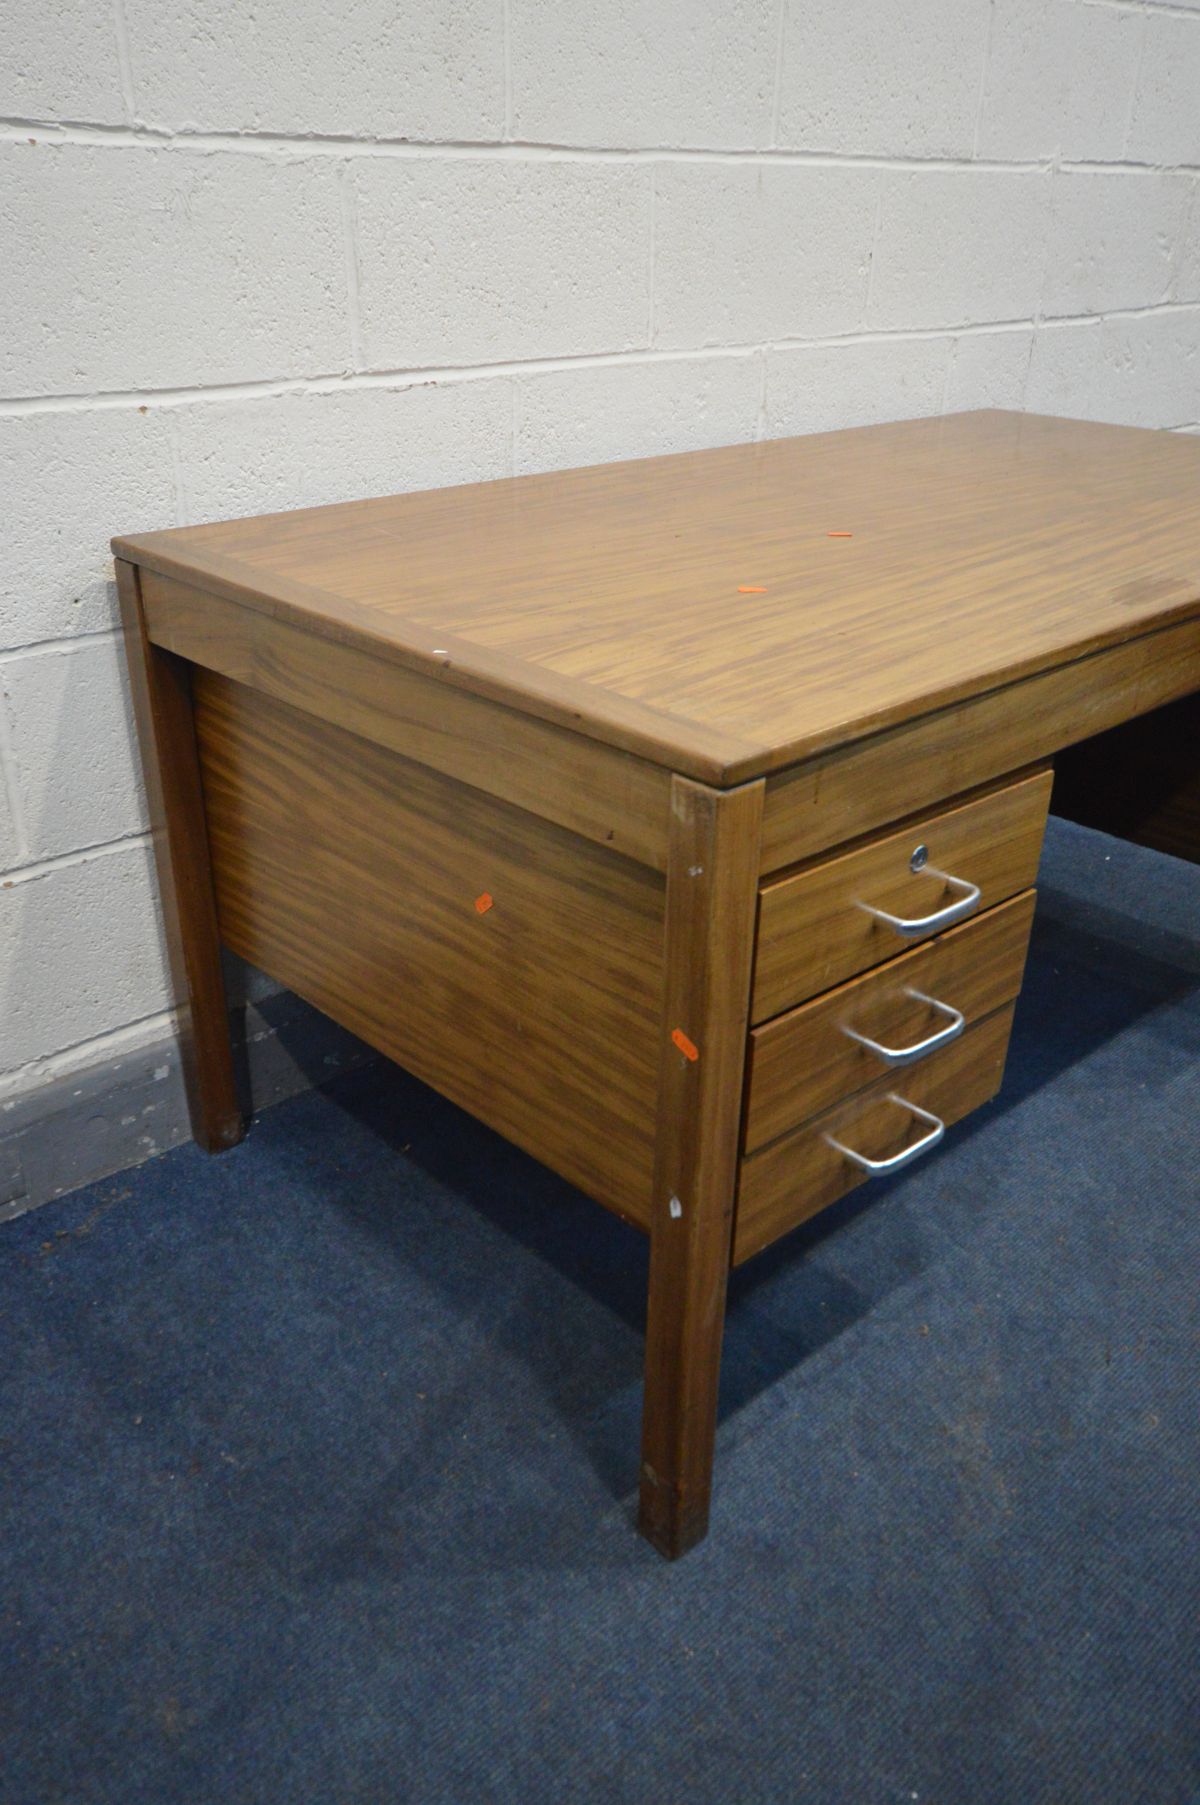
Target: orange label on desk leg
687,1047
483,903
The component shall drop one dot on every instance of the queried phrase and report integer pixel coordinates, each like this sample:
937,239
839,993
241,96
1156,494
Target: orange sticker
750,589
687,1047
839,535
483,903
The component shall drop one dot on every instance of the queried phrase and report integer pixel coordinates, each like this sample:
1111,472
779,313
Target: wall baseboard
131,1106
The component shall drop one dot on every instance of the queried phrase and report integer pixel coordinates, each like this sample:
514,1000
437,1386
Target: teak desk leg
162,705
712,887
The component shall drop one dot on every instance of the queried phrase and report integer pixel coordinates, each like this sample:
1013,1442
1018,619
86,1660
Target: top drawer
815,928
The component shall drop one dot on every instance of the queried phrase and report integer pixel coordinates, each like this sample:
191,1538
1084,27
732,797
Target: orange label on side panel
483,903
687,1047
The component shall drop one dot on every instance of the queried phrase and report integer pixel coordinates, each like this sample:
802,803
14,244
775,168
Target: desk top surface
730,612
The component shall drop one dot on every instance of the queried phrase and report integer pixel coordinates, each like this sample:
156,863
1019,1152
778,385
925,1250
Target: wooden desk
600,800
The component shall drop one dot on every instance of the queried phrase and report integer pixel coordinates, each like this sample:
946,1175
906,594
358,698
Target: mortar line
876,229
12,790
777,92
513,413
983,76
99,400
35,869
61,644
18,1081
177,470
948,368
1145,6
124,61
19,128
1136,84
348,200
650,326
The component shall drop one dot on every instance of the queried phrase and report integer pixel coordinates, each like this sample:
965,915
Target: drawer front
812,931
795,1177
807,1060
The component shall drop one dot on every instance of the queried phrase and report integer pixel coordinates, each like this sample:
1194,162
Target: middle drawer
809,1059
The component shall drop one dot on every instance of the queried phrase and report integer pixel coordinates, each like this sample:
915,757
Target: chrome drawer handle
909,1055
876,1168
941,918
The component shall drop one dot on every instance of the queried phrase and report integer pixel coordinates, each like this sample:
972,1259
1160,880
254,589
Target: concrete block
882,79
958,247
71,734
467,262
820,388
263,453
1139,371
988,369
1066,372
611,411
62,65
679,73
1165,125
372,70
1113,240
752,253
80,954
1059,81
132,267
71,480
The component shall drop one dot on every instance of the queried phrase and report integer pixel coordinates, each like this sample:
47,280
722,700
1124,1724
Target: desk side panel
358,878
607,795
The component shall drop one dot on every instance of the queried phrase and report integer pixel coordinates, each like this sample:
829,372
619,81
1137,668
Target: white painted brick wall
880,79
368,441
472,260
1165,127
376,69
1116,240
948,236
746,253
1059,80
277,254
641,73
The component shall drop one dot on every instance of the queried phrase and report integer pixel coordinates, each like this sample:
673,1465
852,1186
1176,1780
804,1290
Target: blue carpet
318,1459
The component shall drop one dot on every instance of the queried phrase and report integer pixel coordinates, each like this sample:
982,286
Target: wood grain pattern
352,874
795,1177
1140,781
985,547
803,1063
160,685
711,889
827,800
608,795
812,933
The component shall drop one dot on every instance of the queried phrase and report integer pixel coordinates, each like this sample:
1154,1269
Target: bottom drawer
795,1177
